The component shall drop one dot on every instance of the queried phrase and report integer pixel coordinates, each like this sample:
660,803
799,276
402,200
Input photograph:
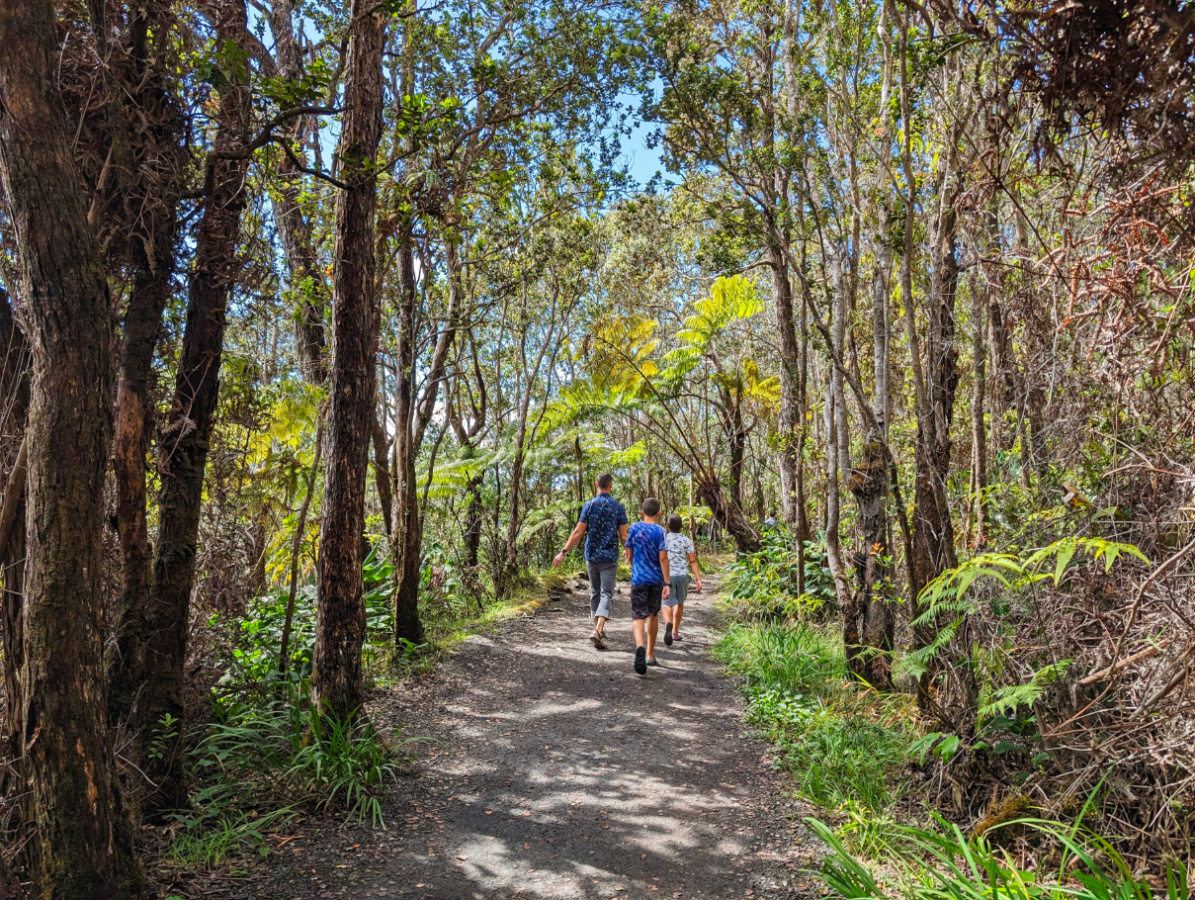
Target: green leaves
1007,700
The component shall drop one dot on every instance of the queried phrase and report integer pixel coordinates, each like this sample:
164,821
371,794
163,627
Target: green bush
767,584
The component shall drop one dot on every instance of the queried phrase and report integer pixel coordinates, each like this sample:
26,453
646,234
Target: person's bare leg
599,624
653,625
665,614
677,612
637,628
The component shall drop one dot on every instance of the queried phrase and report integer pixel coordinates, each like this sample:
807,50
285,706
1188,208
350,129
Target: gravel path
560,773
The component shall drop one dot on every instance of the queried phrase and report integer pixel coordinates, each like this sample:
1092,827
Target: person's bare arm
573,540
667,573
696,571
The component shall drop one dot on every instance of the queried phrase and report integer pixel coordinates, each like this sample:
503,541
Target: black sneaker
668,636
641,660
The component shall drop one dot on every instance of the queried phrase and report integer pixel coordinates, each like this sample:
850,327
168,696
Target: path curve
562,774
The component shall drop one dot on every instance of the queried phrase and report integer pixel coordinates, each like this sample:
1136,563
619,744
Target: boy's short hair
675,523
605,481
650,507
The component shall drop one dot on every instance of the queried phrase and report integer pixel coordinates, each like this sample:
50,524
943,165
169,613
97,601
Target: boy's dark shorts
645,600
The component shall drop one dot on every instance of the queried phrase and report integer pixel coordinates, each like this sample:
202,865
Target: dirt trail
563,774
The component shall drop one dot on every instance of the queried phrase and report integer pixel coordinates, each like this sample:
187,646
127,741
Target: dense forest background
321,319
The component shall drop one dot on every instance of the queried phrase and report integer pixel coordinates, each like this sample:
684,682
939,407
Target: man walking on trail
603,524
647,552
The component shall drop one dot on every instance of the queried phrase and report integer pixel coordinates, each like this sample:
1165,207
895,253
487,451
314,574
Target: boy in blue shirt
647,554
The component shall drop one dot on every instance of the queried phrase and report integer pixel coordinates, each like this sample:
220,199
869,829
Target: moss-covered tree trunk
340,627
82,843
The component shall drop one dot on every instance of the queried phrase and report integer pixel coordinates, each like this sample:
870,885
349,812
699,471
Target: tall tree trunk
381,471
82,846
134,415
979,352
406,539
738,444
340,628
185,438
14,384
934,534
307,285
727,514
838,467
876,625
790,393
413,414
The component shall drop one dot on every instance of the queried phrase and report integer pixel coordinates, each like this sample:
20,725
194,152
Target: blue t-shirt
646,539
603,516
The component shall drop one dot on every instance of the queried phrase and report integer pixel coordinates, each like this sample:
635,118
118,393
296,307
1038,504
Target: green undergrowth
848,749
945,864
844,744
260,766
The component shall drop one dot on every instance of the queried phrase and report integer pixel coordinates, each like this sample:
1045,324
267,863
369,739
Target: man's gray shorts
602,577
680,590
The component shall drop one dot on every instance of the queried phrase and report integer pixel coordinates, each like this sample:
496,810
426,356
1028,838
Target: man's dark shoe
596,640
652,662
668,636
641,660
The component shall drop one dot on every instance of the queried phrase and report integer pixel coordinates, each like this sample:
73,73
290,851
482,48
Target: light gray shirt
679,547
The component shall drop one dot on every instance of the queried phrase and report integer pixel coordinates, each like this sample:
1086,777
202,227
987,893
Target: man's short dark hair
605,481
650,507
675,523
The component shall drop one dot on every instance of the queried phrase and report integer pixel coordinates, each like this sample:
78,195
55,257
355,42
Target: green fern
1009,699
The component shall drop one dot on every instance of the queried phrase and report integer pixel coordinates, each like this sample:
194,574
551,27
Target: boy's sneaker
641,660
668,636
676,636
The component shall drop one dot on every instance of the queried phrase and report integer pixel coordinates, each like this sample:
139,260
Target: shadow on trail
565,775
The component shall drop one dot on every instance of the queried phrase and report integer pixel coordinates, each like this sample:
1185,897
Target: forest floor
560,773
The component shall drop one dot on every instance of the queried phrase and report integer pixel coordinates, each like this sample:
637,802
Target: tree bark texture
406,539
14,385
876,624
340,626
790,389
728,514
82,838
934,533
413,413
161,158
183,441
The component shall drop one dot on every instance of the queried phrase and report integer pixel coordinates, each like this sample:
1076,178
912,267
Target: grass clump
261,766
945,864
843,743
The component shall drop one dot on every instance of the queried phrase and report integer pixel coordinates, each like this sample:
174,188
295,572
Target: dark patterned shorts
645,600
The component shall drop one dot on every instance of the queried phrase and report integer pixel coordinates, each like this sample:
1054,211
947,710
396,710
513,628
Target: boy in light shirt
680,552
